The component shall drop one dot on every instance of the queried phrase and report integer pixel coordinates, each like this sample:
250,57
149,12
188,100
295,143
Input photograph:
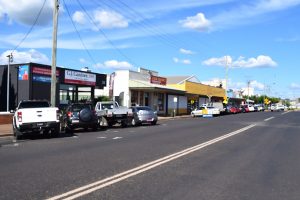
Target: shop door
147,99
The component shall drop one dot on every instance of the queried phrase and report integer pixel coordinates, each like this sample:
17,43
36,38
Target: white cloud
260,61
197,22
25,56
295,86
241,62
217,61
257,85
25,12
183,61
186,62
82,60
114,64
79,17
185,51
109,19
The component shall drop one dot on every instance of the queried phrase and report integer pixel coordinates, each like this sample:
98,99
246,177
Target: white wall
121,84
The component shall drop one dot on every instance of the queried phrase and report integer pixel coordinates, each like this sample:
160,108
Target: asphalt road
243,156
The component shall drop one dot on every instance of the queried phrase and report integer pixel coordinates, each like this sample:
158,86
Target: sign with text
158,80
80,78
43,71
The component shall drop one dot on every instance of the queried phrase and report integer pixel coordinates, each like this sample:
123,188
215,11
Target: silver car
143,114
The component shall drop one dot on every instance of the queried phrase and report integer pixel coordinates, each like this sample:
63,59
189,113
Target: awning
146,86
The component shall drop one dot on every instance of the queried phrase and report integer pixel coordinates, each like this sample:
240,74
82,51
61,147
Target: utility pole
10,59
54,48
248,83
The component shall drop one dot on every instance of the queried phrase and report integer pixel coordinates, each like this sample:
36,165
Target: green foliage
102,98
260,99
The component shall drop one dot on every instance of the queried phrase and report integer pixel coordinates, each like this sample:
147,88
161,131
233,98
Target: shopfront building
33,81
145,88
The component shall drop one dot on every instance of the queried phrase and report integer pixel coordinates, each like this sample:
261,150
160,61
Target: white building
144,87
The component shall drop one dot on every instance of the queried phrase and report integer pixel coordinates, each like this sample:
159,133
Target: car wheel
134,122
95,127
56,132
153,123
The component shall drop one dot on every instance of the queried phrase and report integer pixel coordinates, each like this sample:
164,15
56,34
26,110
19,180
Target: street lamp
10,59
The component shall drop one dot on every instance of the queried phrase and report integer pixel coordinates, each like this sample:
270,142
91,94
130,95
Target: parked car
210,111
231,109
34,116
80,115
259,107
277,107
110,113
143,114
244,108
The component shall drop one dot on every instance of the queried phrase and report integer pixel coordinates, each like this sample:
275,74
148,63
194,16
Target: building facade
30,81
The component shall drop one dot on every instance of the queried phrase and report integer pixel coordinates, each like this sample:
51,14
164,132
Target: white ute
35,117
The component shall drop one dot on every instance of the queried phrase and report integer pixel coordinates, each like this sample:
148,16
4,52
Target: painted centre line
87,189
117,138
285,112
269,119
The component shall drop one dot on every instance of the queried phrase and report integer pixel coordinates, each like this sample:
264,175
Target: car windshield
210,107
107,106
143,108
34,104
78,107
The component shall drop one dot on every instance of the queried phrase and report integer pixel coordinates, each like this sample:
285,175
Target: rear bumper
38,126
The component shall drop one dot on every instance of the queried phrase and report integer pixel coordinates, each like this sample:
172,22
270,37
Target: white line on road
84,190
117,138
285,112
101,137
269,119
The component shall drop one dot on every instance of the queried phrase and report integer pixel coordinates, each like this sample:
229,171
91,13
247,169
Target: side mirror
12,111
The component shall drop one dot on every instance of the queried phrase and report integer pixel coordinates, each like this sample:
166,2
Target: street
240,156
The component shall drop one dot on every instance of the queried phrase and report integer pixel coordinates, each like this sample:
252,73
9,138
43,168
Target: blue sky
260,38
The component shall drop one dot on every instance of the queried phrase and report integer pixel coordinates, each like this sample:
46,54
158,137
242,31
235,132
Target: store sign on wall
23,73
43,71
158,80
80,78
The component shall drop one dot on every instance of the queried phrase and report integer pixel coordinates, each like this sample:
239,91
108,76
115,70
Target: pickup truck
34,116
110,113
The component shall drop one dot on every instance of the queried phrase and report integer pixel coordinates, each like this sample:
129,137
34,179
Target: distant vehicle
210,111
277,107
259,107
79,115
110,113
218,105
251,108
231,109
35,116
244,108
143,114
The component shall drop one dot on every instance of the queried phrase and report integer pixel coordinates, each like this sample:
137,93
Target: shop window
160,101
134,98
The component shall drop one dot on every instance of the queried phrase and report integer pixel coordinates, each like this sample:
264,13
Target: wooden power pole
54,47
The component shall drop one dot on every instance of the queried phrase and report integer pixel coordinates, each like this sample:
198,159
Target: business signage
43,71
44,79
80,78
23,73
158,80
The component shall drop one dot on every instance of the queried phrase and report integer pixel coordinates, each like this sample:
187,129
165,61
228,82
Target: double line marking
87,189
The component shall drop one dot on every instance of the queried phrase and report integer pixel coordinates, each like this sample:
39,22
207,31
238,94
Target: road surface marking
269,119
87,189
285,112
101,137
117,138
116,131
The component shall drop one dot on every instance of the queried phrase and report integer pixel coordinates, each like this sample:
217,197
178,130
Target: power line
105,36
144,24
78,34
32,26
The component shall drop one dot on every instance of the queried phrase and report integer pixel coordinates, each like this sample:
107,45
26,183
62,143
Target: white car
251,108
200,111
277,107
